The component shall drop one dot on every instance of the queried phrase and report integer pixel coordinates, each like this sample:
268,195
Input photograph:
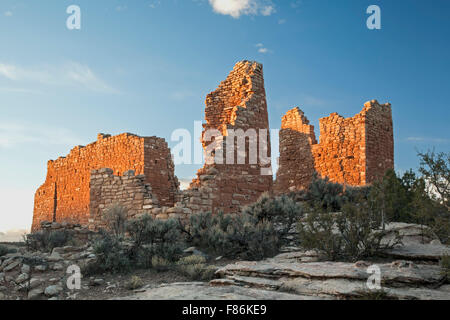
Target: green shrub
46,240
111,256
283,212
435,168
195,268
350,235
208,232
161,264
251,239
5,250
58,238
134,283
325,195
392,198
241,236
152,237
116,217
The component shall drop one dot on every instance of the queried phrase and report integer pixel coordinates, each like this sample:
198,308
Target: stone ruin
138,172
352,151
66,195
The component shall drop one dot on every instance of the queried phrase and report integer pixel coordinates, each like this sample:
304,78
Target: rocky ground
410,271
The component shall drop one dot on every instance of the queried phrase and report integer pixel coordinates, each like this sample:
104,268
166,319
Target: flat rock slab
332,288
353,289
419,251
390,273
203,291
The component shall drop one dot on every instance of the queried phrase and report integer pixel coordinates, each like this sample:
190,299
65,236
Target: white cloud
296,4
154,4
8,13
69,74
14,134
8,71
262,48
267,10
84,76
236,8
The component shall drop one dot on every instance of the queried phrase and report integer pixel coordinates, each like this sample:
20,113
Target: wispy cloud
236,8
427,140
282,21
14,134
69,74
262,49
84,76
296,4
154,4
8,13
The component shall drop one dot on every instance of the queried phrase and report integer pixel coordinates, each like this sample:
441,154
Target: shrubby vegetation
327,196
240,236
46,240
348,235
149,243
348,223
282,212
116,217
5,250
111,256
344,223
258,232
195,268
134,283
412,199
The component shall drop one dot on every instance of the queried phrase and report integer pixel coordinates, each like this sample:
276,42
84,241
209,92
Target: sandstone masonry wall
129,191
353,151
138,172
238,103
65,195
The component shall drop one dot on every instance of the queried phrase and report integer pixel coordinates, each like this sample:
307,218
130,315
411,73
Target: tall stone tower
237,107
353,151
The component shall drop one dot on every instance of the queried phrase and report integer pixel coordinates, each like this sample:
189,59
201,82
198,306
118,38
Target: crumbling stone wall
353,151
128,191
65,195
238,103
138,172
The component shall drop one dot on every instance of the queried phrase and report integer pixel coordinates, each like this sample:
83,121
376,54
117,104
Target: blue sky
146,66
